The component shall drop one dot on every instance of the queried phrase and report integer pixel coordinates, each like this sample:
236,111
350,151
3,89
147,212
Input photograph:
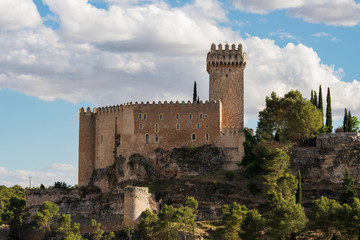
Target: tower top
225,57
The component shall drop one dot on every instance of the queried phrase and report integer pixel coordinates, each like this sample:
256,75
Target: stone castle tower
226,82
107,133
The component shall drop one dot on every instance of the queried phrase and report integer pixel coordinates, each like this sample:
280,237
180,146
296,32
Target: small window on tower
178,126
227,75
190,116
140,126
147,138
139,115
161,116
198,126
156,138
145,116
207,137
156,127
201,116
193,136
177,116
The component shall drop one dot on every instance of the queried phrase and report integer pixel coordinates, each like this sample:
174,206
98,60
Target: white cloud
63,167
321,34
18,14
330,12
21,177
282,35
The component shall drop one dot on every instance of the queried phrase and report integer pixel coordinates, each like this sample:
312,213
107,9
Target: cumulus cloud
21,177
18,14
293,67
330,12
159,59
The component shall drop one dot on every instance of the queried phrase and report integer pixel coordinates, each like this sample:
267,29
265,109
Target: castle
108,132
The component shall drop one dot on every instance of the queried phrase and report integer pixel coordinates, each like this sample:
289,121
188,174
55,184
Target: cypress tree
328,112
320,105
195,93
349,193
299,190
312,97
349,122
315,99
320,102
345,123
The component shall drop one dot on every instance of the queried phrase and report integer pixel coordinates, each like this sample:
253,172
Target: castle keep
139,128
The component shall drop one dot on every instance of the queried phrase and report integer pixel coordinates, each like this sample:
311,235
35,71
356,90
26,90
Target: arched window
156,138
147,138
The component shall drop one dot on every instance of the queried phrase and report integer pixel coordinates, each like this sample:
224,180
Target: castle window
190,116
201,116
156,127
147,138
198,126
161,116
193,136
177,116
207,137
206,126
178,126
166,126
139,115
227,75
205,115
145,116
156,138
140,126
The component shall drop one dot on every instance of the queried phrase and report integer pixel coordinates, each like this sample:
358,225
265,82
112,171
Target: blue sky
59,55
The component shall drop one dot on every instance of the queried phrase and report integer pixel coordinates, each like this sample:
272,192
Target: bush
230,175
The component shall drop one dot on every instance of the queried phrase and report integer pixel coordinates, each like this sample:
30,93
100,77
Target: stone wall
109,209
330,157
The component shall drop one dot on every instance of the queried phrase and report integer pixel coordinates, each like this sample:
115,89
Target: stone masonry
106,133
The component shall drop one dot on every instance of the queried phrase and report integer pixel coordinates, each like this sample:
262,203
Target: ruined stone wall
226,82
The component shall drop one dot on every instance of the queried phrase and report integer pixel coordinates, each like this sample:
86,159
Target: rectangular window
156,138
198,126
139,115
193,136
161,116
156,127
201,116
145,116
178,126
177,116
207,137
190,116
147,138
140,126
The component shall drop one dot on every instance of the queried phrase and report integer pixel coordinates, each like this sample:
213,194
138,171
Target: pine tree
349,122
328,112
299,190
195,93
345,123
349,193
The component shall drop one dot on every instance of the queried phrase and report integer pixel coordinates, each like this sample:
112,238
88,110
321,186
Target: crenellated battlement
225,57
119,108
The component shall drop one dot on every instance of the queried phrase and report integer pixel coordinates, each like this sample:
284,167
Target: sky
57,56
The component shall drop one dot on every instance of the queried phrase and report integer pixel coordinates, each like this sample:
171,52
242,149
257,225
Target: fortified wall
114,211
328,160
109,133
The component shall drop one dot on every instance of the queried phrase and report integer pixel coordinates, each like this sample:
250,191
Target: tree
167,229
298,195
186,217
315,101
60,185
45,216
233,216
252,225
350,219
98,233
349,123
325,215
195,96
355,123
320,102
191,203
292,116
328,123
69,230
283,216
17,214
312,96
349,193
148,224
345,122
